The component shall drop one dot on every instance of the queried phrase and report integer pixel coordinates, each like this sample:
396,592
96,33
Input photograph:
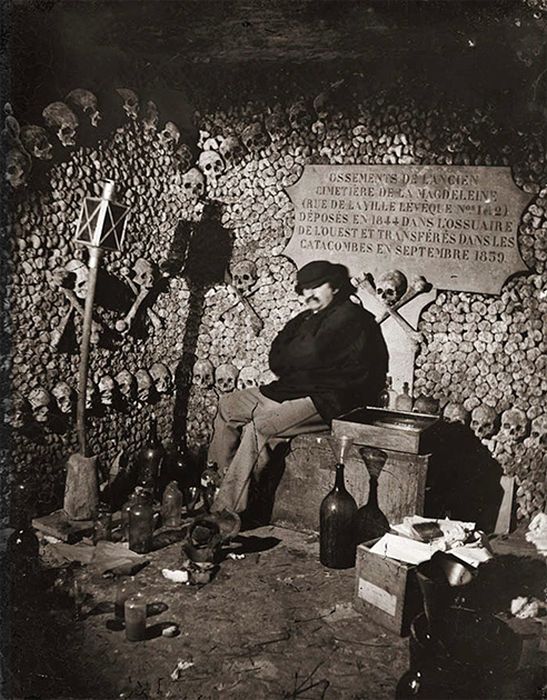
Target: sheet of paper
404,549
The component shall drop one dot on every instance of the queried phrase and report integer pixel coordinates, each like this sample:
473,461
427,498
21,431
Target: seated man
330,359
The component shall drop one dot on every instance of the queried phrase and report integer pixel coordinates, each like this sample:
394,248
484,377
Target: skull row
226,377
41,403
511,428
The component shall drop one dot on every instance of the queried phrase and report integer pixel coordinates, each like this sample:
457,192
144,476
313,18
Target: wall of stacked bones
196,335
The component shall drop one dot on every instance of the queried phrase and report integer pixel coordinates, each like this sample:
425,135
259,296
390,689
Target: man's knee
233,406
264,425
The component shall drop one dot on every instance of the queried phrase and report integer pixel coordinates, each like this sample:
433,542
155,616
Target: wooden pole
94,260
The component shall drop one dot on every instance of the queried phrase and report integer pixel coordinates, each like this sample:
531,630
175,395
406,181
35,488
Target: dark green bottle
337,543
22,547
370,522
149,459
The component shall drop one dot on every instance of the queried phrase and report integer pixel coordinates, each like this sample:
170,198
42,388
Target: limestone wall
233,209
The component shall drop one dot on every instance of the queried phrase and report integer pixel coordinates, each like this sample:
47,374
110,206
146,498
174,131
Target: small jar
141,527
103,525
136,496
135,618
171,506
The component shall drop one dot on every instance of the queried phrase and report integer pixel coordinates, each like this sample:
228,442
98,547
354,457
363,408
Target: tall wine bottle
370,521
22,546
149,459
337,543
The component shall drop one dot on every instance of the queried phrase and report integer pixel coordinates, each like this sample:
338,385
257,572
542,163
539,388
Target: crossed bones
257,324
124,325
419,285
59,279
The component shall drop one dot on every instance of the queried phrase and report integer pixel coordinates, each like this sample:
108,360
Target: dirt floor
274,624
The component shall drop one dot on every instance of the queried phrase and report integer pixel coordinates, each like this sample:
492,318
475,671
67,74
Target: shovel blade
81,488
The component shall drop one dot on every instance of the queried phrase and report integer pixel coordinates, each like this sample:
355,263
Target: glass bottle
370,522
171,505
337,544
383,399
141,524
150,457
136,496
187,476
404,400
103,524
135,618
22,547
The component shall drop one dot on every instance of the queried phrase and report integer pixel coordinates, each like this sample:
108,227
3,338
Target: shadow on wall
463,478
200,252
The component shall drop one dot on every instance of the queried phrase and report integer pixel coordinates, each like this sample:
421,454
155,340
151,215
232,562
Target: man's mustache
310,299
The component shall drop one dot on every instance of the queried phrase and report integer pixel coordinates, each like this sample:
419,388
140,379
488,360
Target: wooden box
309,475
388,430
386,590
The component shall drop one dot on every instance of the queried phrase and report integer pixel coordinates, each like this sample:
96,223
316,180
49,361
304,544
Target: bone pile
477,352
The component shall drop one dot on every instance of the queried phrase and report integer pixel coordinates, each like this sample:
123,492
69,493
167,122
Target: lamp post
101,225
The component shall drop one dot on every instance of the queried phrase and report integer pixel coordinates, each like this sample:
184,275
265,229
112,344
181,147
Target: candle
135,618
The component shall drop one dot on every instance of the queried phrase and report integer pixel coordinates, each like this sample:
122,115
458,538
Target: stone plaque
454,225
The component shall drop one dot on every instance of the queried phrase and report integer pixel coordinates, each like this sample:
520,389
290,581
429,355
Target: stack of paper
458,537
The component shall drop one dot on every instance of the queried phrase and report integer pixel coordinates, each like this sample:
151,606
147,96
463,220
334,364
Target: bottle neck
373,491
153,434
339,480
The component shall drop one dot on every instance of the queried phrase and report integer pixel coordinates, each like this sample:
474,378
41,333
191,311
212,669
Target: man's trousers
245,423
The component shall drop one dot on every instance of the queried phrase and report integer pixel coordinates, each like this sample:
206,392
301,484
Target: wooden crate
386,590
309,475
388,430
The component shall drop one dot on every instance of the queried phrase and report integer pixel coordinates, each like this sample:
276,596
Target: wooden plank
385,590
57,525
503,521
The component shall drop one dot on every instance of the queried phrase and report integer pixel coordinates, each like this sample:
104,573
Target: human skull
426,404
130,102
193,184
64,395
150,117
483,421
127,383
18,411
107,387
244,276
145,385
35,140
81,274
18,167
203,374
277,123
514,425
232,150
455,413
211,165
538,432
161,375
144,273
255,137
226,377
40,403
300,116
391,286
248,378
58,115
169,136
87,102
184,157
